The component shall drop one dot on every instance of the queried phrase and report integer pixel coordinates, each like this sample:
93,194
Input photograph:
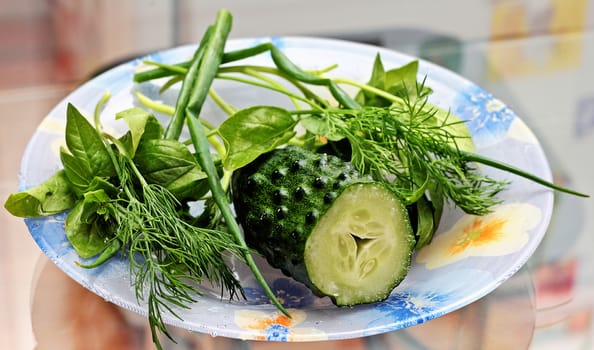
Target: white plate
468,258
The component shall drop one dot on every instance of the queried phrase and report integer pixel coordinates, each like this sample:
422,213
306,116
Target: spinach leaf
50,197
88,231
250,132
426,223
377,80
319,125
402,81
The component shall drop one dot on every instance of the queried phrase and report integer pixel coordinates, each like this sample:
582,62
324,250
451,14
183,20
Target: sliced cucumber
361,248
315,217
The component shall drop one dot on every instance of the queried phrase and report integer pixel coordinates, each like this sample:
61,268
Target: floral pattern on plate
275,326
290,293
502,232
418,301
488,118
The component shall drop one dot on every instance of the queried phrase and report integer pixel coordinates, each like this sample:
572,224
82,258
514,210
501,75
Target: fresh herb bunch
130,195
389,129
414,155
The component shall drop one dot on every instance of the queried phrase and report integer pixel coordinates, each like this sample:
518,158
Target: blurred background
56,41
535,55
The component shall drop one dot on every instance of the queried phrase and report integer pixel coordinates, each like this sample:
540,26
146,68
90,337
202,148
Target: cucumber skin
280,197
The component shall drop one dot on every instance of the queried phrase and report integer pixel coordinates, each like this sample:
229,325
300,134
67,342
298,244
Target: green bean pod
228,57
293,71
286,66
195,89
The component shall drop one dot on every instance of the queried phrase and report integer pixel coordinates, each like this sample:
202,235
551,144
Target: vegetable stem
381,93
292,70
217,144
175,69
227,108
249,69
474,157
292,96
274,85
98,107
168,70
286,66
195,89
154,105
174,128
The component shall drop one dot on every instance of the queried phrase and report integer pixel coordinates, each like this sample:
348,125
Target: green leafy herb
167,255
170,163
253,131
399,142
88,156
87,231
50,197
142,126
137,212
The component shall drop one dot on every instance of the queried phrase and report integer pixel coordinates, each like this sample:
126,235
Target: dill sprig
408,147
168,256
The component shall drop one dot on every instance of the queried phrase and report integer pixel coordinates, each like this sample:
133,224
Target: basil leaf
76,171
152,129
142,124
250,132
92,201
162,161
126,143
99,183
191,185
165,162
90,157
50,197
401,81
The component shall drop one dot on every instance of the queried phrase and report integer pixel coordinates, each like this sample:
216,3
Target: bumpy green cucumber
320,221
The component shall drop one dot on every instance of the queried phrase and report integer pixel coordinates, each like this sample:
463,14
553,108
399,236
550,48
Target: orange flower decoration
502,232
477,233
276,326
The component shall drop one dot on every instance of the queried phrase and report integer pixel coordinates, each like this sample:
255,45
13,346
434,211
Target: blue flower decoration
277,332
413,307
290,293
488,119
